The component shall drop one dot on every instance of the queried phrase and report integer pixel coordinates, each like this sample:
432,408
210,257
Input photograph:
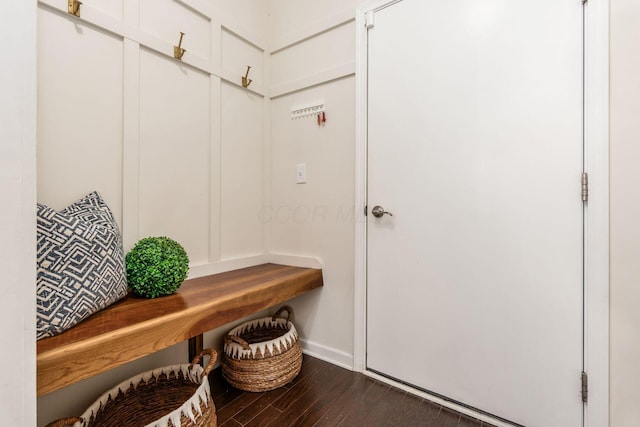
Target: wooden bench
136,327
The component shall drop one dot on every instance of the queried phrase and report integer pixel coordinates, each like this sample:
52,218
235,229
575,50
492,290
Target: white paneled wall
112,8
313,60
293,20
317,218
242,173
166,19
118,114
175,147
79,111
174,160
245,17
230,45
100,76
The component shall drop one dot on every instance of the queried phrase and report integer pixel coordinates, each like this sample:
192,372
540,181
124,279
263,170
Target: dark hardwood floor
326,395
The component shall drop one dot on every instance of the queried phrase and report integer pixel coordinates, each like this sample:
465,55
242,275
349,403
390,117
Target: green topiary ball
156,266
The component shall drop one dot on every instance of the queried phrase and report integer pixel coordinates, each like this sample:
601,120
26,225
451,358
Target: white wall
625,213
160,139
176,148
292,21
317,218
17,228
310,42
313,61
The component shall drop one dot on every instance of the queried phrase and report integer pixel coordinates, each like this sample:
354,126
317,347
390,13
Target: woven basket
173,396
262,354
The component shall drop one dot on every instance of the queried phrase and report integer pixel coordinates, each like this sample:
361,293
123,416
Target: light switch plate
301,173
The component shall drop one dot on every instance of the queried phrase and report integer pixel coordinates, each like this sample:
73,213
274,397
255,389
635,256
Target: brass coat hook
73,7
246,81
178,51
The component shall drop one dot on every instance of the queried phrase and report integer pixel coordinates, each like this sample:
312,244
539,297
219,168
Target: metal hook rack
307,110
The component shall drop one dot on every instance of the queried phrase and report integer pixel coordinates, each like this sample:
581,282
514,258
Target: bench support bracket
195,346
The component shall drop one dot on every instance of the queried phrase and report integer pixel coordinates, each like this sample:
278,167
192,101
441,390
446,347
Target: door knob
378,212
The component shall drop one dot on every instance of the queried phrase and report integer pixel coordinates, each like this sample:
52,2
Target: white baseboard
327,354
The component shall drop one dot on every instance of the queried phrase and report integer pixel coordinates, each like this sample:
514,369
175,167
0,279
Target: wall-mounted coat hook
178,51
73,7
246,81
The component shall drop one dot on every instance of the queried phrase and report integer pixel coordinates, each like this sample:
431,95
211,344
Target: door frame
596,273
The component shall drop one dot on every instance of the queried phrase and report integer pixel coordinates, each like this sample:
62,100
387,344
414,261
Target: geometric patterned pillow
80,263
93,209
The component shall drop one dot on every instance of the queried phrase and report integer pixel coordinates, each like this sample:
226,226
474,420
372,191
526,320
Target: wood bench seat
136,327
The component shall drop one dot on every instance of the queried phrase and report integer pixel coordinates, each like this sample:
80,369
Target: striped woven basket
262,354
173,396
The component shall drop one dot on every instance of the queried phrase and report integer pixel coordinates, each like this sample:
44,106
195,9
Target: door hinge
369,20
365,210
585,387
585,187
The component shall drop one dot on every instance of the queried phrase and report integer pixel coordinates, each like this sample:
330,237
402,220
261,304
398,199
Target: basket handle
279,312
65,422
213,356
236,339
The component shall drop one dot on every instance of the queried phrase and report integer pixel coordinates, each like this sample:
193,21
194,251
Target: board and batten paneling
80,83
242,172
146,130
294,20
236,54
114,8
318,217
330,51
118,114
313,61
174,153
245,17
166,19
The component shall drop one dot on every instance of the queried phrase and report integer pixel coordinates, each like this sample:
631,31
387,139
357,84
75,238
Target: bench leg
195,346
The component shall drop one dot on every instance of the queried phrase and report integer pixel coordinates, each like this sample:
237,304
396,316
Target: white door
475,147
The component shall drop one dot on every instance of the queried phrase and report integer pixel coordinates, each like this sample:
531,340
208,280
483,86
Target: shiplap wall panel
80,83
174,153
242,172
